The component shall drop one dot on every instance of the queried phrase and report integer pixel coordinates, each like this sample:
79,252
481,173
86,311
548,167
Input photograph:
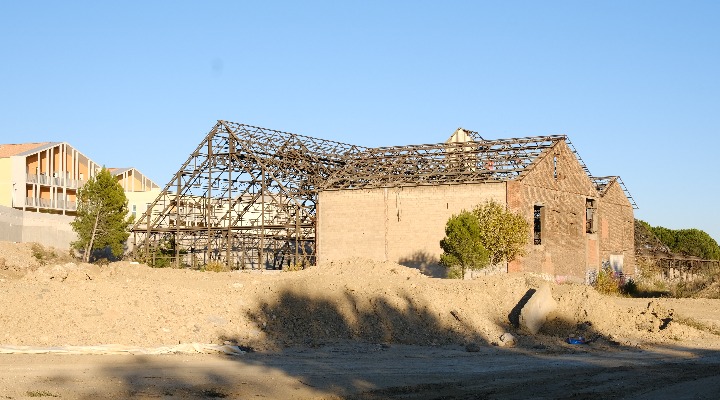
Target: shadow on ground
425,263
293,318
380,348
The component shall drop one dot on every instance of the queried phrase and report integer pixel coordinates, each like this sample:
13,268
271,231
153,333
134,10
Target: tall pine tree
102,216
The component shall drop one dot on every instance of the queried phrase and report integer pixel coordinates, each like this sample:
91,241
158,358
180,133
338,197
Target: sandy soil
349,329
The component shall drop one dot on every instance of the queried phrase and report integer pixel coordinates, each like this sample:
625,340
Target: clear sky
634,84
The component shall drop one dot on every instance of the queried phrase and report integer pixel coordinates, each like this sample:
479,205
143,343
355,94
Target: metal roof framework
440,164
603,182
247,196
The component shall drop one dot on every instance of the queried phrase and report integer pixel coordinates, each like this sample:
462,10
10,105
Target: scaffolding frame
246,197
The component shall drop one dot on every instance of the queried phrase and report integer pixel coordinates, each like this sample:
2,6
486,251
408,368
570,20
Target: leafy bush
161,260
607,282
490,234
610,282
502,232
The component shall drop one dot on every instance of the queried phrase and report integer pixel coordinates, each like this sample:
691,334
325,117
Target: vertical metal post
208,200
297,235
261,262
178,177
147,236
230,207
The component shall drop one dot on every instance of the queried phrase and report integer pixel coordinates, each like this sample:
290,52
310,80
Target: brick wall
618,227
403,225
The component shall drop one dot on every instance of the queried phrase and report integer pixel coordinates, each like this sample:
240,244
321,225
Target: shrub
294,266
502,232
46,256
216,266
162,255
630,288
161,260
610,282
102,261
40,254
607,282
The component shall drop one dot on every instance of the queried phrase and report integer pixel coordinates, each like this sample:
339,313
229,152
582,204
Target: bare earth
352,329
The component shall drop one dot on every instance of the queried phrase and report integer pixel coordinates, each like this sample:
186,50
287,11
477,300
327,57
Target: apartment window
537,224
134,210
590,216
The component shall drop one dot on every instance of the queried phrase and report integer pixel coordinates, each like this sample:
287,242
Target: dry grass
705,284
691,322
45,256
216,266
295,266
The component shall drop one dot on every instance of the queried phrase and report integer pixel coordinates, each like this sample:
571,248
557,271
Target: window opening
590,216
555,165
537,225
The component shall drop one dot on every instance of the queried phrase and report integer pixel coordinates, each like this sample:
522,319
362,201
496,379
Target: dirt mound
16,259
76,304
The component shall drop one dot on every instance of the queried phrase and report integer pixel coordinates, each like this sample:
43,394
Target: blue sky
634,84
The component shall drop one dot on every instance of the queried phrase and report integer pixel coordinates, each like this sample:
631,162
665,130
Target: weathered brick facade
402,224
406,224
562,188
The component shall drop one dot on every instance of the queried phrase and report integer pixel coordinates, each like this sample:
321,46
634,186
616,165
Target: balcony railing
63,180
55,204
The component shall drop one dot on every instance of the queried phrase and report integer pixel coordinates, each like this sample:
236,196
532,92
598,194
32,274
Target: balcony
62,180
51,204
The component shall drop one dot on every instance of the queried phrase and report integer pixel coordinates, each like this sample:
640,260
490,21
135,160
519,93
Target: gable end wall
567,250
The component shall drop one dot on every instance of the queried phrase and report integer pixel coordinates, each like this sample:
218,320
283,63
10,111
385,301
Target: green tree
503,233
102,216
697,243
461,246
692,242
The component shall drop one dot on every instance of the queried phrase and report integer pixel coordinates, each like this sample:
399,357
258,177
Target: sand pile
71,303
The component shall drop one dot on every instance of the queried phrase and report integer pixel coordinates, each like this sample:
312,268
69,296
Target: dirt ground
353,329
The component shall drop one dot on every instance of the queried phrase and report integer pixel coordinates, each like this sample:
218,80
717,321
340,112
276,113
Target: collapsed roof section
464,158
602,183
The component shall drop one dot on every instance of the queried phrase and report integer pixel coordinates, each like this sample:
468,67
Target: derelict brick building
577,221
252,197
